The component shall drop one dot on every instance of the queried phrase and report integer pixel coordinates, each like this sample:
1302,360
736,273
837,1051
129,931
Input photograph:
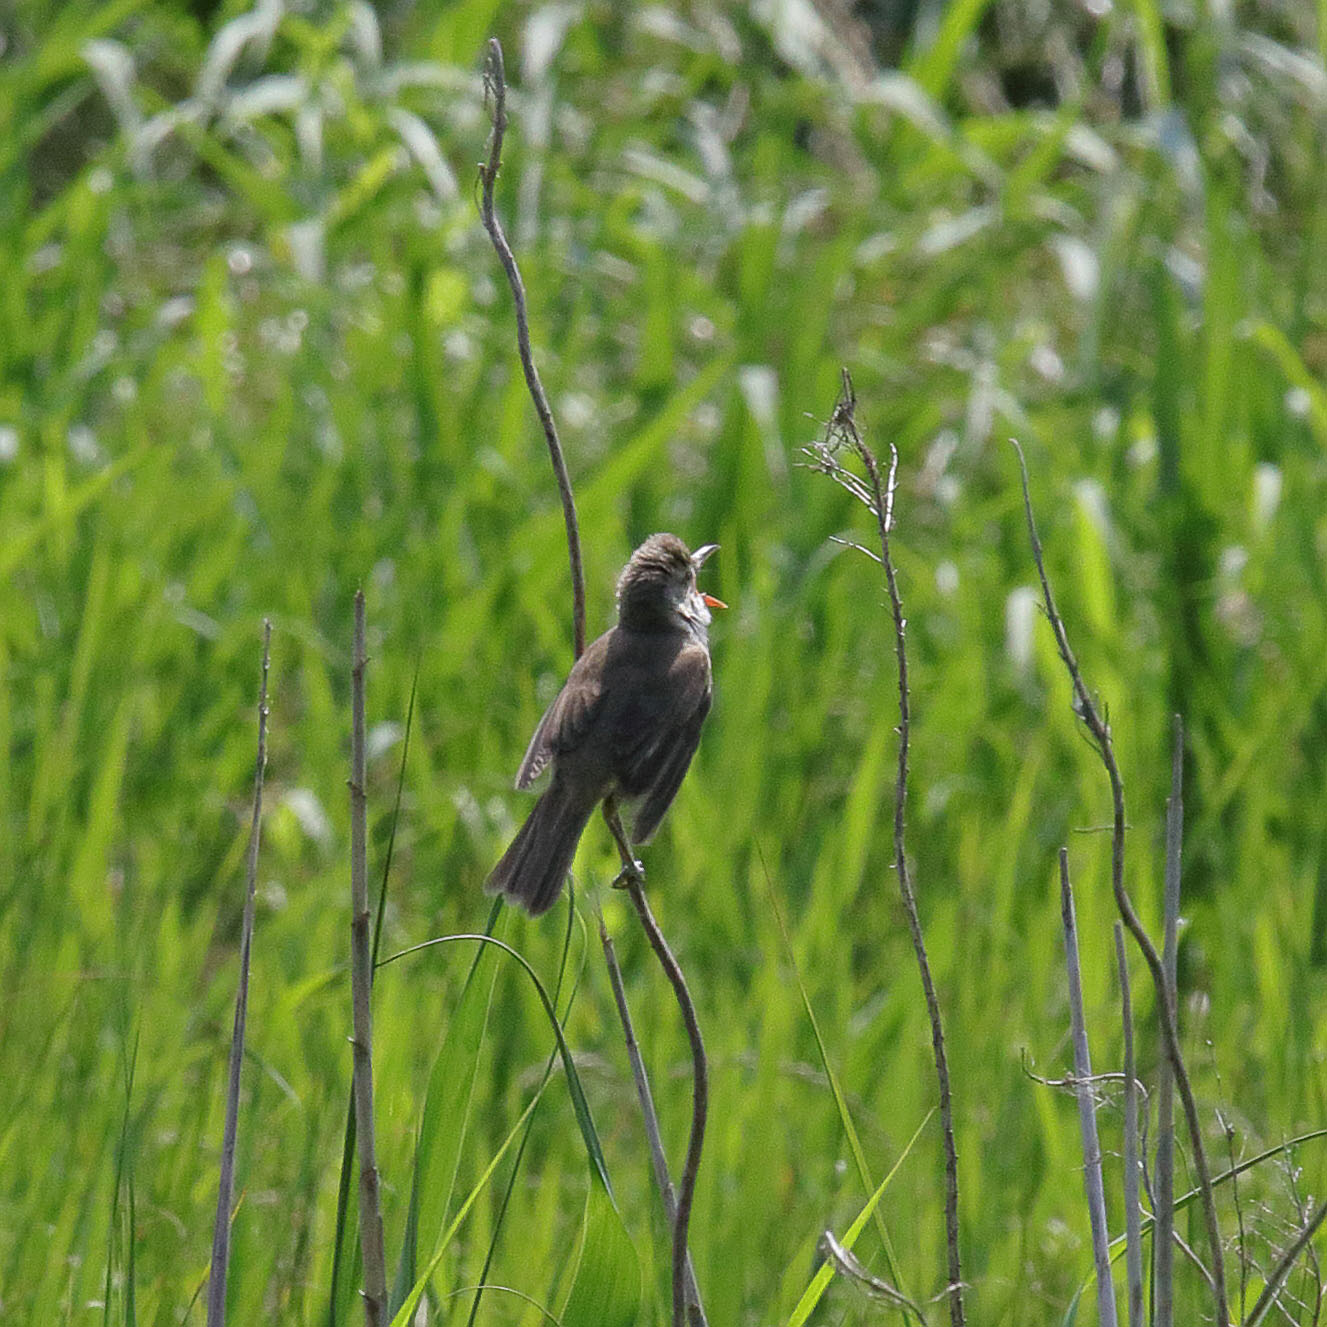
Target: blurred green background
255,351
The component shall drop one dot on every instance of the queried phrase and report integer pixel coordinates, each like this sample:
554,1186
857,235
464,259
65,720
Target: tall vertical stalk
361,984
216,1285
878,498
1099,730
1087,1110
678,1213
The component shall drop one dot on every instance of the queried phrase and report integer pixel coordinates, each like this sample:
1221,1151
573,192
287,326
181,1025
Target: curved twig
657,1156
632,879
1099,730
849,1266
495,84
684,1284
700,1098
879,500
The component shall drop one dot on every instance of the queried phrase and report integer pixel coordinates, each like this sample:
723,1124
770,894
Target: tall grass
253,354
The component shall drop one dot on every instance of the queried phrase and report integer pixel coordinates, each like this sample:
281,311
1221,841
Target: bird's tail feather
533,868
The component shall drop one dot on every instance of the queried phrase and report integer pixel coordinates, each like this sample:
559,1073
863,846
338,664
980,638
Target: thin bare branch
860,548
658,1158
1312,1267
878,497
1099,731
216,1287
1133,1218
1192,1255
849,1266
1284,1268
679,1216
1241,1235
495,84
1282,1149
632,879
1072,1082
1087,1115
361,984
1163,1252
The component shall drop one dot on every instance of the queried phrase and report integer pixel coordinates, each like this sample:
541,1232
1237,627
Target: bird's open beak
698,559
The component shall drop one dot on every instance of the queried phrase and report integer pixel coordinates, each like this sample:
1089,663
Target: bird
626,722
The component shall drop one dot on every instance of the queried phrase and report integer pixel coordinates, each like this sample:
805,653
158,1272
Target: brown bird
626,721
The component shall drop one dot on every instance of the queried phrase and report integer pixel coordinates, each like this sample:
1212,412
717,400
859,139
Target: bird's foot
630,875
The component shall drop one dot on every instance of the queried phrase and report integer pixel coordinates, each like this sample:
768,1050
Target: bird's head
657,588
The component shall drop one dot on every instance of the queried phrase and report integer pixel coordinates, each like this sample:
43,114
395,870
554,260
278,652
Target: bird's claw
633,874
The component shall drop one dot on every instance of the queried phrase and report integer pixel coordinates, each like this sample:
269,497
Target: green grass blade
593,1148
1118,1244
934,67
840,1101
820,1281
499,1219
607,1290
18,545
341,1297
404,1314
445,1121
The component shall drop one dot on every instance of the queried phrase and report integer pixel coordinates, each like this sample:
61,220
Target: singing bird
626,721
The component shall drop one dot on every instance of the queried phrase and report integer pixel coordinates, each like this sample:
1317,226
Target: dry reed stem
361,987
1086,709
878,498
1133,1217
216,1286
658,1159
495,84
1163,1245
1087,1112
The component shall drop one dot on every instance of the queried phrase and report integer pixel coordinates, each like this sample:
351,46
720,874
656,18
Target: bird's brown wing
650,770
670,776
565,721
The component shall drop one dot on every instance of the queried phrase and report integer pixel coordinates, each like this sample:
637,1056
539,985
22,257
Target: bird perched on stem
625,723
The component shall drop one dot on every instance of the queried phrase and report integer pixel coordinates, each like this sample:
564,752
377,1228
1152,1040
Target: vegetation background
255,352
